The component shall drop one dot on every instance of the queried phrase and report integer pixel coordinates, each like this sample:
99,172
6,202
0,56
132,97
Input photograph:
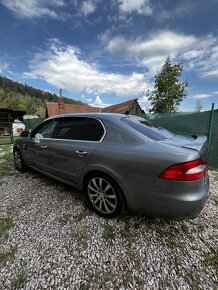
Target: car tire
104,196
18,161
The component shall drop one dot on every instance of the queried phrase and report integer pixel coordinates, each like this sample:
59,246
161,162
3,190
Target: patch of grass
4,257
5,225
213,168
64,219
81,238
215,200
212,261
6,167
109,234
193,278
97,280
14,209
83,214
126,232
19,282
188,233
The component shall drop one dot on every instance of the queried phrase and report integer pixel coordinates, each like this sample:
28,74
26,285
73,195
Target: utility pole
60,93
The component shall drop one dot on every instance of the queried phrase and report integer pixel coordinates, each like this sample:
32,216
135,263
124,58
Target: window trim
75,140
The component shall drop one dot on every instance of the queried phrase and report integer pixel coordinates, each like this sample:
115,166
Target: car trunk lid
194,142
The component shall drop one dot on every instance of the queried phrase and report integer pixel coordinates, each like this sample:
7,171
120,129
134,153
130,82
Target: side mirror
25,133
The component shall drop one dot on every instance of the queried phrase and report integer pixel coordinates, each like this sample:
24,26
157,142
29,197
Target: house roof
15,114
69,108
121,108
53,109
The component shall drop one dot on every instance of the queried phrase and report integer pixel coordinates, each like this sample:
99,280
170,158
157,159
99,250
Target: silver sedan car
120,162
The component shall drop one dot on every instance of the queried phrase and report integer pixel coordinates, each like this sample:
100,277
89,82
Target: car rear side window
149,130
80,128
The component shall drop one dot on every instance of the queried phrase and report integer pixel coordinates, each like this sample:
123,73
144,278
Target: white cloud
88,7
152,52
197,53
3,67
210,74
139,6
204,96
85,99
99,103
201,96
33,8
63,66
180,10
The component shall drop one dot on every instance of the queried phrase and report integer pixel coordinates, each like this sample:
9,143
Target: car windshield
146,128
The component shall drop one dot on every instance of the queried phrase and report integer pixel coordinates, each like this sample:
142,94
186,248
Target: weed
81,239
19,282
126,233
215,200
109,234
6,167
186,231
97,280
5,225
4,257
192,278
83,214
64,219
212,261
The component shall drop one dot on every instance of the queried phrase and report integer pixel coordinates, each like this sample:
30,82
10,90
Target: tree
168,90
198,106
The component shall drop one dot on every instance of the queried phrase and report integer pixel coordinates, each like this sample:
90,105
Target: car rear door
72,145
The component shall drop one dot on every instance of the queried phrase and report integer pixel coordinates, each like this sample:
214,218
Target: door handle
44,146
82,153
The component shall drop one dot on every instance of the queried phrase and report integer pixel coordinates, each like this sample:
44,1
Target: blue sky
106,52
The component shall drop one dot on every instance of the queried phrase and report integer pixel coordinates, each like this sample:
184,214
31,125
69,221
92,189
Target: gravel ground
49,239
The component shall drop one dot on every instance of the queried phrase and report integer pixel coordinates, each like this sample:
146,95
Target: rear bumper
169,199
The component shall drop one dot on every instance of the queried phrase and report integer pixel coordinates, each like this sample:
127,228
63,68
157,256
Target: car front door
72,145
37,146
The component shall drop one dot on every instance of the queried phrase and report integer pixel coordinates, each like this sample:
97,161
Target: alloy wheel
102,195
18,160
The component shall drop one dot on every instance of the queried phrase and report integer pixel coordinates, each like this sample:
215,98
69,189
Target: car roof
93,115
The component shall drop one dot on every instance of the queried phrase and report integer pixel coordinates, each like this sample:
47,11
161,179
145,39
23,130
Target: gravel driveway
49,239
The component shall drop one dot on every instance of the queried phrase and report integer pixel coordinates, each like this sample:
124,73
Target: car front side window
45,130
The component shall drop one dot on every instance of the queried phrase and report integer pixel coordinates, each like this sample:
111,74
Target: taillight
191,170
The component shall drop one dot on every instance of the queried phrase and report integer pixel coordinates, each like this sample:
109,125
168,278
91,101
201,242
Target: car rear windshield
146,128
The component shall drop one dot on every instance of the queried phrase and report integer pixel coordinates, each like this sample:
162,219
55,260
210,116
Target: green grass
64,219
81,237
19,282
213,168
4,257
126,232
5,140
5,225
83,214
212,261
109,234
215,200
6,167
